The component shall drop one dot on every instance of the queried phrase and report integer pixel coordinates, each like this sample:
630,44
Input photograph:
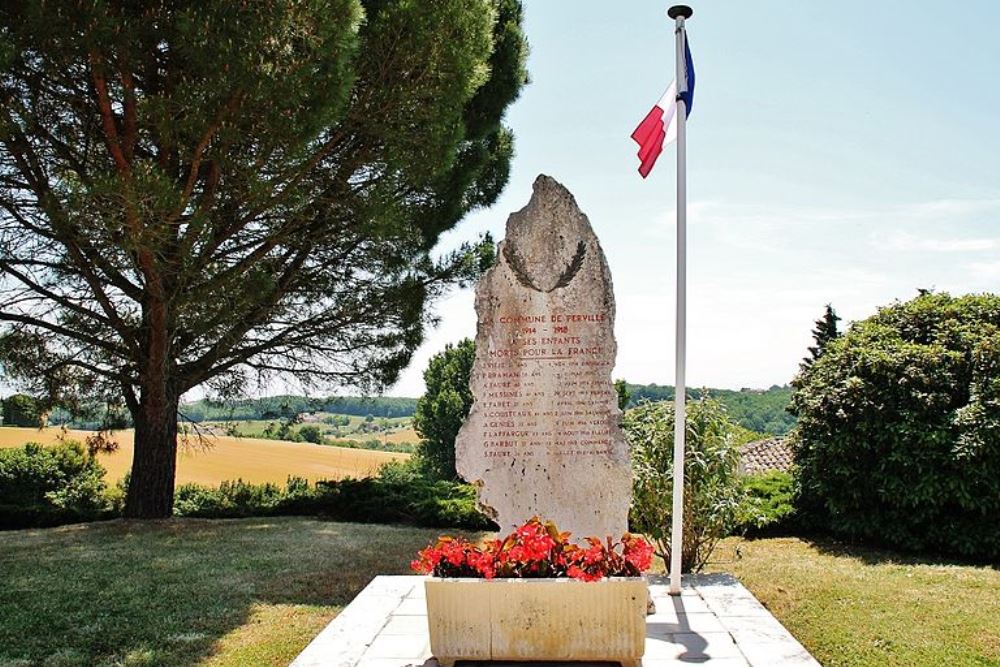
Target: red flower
536,549
638,552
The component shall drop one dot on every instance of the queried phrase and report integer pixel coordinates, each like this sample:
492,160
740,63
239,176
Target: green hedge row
48,486
418,502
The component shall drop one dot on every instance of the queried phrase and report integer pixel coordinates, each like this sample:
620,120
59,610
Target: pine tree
216,194
824,333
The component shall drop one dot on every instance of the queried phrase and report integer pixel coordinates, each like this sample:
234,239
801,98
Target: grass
225,458
185,591
255,591
858,607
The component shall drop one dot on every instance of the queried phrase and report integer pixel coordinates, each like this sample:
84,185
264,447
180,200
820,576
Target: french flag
659,127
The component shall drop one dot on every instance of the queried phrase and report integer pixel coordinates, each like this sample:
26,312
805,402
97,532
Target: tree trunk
154,461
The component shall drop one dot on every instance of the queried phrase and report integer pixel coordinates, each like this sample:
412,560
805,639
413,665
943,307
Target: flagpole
680,13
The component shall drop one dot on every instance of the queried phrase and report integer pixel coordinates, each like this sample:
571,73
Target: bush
422,502
444,406
899,428
21,410
229,499
373,444
712,490
769,503
47,486
311,433
399,495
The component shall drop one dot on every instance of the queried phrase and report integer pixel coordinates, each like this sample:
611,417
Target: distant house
765,455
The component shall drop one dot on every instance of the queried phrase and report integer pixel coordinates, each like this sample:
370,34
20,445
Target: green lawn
856,606
255,591
184,592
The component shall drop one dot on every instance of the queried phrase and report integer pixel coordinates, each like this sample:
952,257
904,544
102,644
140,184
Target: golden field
404,435
222,458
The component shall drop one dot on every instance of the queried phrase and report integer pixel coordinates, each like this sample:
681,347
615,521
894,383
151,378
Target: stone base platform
715,621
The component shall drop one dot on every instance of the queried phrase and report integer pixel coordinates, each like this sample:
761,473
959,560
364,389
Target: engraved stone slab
544,436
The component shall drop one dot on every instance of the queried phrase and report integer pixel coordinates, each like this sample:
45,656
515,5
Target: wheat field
219,458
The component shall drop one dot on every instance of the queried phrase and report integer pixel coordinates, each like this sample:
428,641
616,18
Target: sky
844,153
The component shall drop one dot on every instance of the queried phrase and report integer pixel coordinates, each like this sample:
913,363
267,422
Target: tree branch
6,267
107,115
231,106
63,331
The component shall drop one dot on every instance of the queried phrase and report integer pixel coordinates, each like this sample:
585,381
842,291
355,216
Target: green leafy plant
42,486
713,492
311,433
444,406
769,503
400,494
898,437
21,410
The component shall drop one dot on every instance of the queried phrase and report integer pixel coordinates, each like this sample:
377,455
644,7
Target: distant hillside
276,407
756,409
759,410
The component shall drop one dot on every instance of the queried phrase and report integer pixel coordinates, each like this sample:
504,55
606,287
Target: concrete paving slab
715,621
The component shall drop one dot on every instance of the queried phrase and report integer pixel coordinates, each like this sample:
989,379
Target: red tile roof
765,455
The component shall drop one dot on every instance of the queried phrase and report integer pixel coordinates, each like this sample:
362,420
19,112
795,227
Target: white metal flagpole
680,13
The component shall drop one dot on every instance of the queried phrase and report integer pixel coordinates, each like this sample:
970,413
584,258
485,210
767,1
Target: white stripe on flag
669,105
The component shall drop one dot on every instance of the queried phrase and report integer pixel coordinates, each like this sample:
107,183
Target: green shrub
712,489
374,444
402,472
47,486
443,408
21,410
311,433
769,503
899,428
234,499
399,495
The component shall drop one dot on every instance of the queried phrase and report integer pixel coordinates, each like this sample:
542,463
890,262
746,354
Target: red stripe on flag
649,125
650,152
650,135
654,143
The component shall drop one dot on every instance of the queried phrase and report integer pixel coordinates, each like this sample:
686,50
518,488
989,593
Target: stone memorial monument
543,436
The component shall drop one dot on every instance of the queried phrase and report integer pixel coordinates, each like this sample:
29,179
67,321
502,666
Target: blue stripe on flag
687,94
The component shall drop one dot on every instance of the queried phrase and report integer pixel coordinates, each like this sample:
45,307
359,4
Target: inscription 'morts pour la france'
543,436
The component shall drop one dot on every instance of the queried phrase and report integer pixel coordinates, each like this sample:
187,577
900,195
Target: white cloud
951,208
907,242
988,271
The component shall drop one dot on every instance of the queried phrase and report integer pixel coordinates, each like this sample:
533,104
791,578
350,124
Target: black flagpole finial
683,11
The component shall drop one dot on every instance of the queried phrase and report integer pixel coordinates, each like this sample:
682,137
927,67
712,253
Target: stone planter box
537,619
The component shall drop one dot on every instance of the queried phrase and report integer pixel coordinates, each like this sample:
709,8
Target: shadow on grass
178,592
877,555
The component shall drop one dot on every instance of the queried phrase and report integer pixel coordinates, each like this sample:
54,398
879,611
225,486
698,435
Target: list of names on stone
522,414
